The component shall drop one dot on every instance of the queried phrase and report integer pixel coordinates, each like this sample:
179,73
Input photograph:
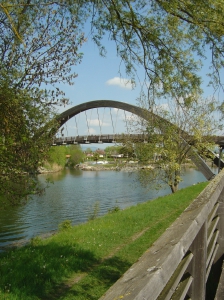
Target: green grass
82,262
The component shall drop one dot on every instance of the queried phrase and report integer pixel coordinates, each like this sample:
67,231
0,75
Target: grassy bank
82,262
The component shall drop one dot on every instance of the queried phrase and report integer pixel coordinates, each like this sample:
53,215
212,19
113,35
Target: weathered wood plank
211,261
198,265
147,277
176,278
220,226
213,214
220,290
182,289
211,246
212,228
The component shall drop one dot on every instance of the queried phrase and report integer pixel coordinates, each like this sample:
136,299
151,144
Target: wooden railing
178,264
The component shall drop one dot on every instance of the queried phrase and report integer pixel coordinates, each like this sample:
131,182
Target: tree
57,155
168,39
22,148
96,156
76,153
112,150
127,149
169,143
38,45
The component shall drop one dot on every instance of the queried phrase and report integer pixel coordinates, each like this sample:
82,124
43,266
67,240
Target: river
72,196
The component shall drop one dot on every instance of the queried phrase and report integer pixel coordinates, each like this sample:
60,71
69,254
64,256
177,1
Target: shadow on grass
99,280
33,272
41,272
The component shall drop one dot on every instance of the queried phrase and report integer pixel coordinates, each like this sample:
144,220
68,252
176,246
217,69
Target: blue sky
99,79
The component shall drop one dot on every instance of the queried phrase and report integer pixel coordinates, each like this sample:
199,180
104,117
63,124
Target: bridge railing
104,138
178,264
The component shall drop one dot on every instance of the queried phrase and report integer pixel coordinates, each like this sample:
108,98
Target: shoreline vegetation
111,158
83,261
111,166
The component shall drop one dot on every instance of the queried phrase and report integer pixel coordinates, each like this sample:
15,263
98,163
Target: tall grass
83,261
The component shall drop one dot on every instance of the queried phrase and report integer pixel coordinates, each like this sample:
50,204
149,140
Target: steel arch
75,110
143,113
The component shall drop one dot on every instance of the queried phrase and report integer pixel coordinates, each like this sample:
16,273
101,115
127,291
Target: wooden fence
178,264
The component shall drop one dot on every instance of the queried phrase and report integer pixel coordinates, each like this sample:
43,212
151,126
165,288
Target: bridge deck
105,138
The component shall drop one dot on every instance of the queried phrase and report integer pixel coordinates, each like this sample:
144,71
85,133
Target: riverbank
49,168
83,261
126,166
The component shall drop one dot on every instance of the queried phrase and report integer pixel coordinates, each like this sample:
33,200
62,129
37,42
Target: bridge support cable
100,141
113,141
66,128
86,140
126,122
143,131
116,121
77,133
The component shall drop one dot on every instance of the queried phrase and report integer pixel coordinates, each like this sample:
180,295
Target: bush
113,209
94,214
35,241
65,225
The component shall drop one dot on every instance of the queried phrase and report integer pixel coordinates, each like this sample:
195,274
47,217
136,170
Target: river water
73,196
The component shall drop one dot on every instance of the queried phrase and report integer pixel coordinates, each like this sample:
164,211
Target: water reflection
72,196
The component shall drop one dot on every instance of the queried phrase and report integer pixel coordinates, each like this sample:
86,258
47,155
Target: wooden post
197,268
220,227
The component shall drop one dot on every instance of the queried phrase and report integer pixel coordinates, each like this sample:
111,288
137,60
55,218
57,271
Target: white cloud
121,82
90,131
96,122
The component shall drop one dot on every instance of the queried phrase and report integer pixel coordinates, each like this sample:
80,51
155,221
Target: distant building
101,152
117,155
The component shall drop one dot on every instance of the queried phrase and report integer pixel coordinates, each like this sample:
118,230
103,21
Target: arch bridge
135,110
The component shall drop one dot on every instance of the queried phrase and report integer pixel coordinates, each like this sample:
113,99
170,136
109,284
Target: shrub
35,241
65,225
94,214
113,209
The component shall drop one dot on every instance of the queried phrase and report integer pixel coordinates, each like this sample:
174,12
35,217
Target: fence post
220,227
197,268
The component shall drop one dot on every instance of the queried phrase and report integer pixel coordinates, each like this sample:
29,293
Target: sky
99,79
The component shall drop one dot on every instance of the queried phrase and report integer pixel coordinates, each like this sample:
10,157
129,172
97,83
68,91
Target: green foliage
96,156
58,154
65,225
127,149
164,38
22,147
49,47
95,211
38,46
76,153
171,137
35,241
113,149
144,152
114,209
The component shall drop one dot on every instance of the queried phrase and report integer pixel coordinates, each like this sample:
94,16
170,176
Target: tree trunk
174,187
